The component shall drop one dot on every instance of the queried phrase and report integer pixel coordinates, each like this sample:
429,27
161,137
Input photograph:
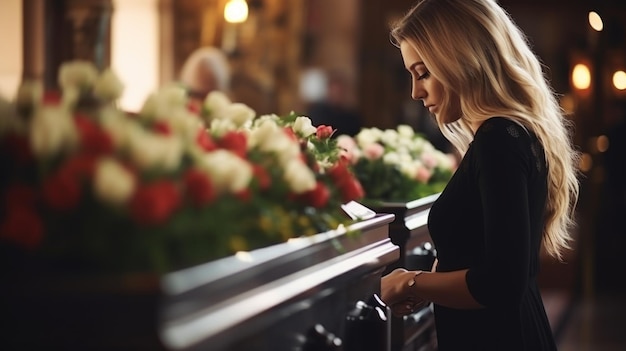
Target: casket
310,293
281,297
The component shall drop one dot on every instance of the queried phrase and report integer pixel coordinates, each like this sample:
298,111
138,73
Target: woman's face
426,87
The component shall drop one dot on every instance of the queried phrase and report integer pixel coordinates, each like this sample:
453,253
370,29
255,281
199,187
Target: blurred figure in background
327,101
206,69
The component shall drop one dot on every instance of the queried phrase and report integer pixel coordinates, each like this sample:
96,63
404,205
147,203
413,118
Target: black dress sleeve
501,167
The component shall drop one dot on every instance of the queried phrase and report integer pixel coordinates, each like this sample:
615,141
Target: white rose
299,177
408,170
285,147
406,131
118,126
108,87
70,97
80,75
303,126
229,172
186,124
219,127
149,107
365,137
113,183
239,113
274,118
162,103
418,145
390,138
446,161
263,131
155,151
52,130
391,158
269,137
215,103
172,95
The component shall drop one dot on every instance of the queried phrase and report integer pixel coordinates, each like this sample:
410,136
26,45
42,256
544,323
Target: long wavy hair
476,51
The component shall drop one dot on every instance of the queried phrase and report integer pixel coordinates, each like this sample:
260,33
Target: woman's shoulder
502,135
502,129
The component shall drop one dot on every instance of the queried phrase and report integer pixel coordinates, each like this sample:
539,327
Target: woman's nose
417,93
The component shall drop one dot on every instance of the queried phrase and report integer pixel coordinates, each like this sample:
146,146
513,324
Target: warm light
236,11
581,77
602,143
586,162
244,256
595,21
619,80
11,38
135,50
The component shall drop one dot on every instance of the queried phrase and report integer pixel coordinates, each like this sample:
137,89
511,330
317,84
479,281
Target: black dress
489,219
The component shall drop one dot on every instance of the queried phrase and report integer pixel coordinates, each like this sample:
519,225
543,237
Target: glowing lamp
236,11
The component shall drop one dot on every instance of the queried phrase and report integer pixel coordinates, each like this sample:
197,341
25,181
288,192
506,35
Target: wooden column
33,39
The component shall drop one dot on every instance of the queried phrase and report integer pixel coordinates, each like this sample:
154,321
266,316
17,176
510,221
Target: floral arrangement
173,185
396,165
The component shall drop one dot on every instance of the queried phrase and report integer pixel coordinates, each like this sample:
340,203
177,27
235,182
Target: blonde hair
477,52
202,61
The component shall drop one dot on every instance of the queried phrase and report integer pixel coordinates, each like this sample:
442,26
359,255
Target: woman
514,191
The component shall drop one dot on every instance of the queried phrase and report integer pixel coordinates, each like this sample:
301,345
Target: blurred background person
326,96
205,70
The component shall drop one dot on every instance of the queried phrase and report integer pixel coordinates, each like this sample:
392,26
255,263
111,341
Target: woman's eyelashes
423,76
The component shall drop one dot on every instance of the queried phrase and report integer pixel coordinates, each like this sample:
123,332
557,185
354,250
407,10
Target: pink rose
423,174
429,160
374,151
324,132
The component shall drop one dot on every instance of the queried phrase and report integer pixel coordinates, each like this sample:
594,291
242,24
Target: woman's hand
396,292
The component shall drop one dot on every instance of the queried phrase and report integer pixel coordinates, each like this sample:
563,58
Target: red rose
18,148
51,97
93,138
340,173
262,177
244,195
23,227
351,190
348,185
235,142
162,127
324,132
199,187
154,203
20,195
194,107
290,133
80,166
205,141
62,191
319,196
